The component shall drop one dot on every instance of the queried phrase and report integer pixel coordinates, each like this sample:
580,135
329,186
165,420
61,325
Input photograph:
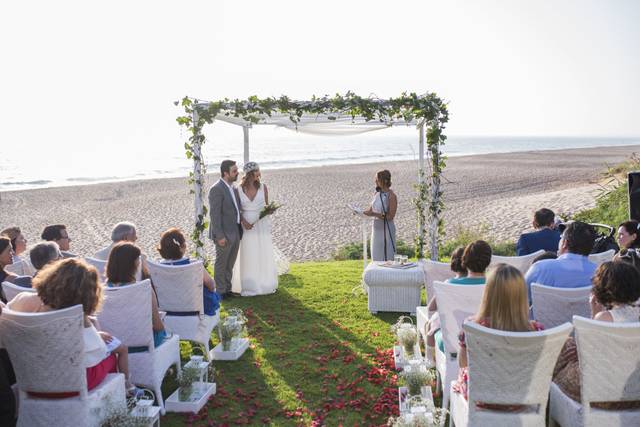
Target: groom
225,229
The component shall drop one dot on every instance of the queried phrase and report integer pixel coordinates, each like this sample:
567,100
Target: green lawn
317,356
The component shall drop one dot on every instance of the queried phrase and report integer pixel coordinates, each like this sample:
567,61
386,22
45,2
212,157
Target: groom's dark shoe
230,295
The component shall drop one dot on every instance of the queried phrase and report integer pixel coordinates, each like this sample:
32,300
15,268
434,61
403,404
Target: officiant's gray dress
383,234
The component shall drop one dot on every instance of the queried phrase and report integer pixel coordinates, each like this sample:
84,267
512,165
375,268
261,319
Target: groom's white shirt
233,197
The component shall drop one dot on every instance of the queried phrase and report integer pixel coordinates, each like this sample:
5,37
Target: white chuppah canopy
338,115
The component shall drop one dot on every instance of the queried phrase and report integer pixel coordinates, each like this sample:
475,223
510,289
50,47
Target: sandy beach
497,192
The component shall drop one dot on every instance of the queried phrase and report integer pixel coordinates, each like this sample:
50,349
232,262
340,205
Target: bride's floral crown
250,167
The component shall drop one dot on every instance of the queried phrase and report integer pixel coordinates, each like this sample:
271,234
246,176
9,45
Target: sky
81,74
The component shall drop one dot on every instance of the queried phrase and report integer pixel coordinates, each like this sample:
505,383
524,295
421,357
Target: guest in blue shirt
172,248
572,268
545,237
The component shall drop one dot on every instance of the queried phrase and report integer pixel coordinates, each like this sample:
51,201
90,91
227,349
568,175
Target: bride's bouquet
269,209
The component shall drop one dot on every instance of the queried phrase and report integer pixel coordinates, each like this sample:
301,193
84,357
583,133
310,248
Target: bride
255,271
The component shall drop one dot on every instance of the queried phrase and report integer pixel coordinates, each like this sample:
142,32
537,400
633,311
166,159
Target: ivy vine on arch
427,110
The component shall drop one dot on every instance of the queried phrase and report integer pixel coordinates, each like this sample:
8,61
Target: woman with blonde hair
504,306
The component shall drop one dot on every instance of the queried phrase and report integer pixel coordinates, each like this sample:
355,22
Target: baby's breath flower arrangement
185,380
408,337
231,327
416,377
433,417
406,334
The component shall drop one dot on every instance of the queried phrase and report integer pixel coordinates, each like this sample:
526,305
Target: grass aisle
317,357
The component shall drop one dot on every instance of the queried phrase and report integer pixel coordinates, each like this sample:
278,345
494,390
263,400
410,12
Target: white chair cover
10,290
435,271
555,306
47,353
126,314
508,368
99,264
179,289
522,263
21,268
455,304
602,257
609,355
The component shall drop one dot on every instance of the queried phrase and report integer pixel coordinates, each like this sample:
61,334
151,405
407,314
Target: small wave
94,179
38,182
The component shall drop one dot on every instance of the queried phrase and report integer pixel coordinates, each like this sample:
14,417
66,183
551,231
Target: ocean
53,166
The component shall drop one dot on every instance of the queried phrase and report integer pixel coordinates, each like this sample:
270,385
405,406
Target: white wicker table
393,289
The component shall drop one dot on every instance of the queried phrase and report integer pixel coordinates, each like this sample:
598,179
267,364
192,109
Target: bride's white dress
255,271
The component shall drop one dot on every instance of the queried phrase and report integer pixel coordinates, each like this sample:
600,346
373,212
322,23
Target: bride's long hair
249,178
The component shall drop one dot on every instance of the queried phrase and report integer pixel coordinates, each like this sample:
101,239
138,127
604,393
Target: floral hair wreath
250,167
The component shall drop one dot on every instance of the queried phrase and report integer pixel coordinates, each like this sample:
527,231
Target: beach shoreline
496,192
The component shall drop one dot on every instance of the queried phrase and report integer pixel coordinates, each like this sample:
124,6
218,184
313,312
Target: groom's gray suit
224,224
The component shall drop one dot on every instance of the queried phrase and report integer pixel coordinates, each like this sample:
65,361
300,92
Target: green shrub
612,208
612,205
353,250
464,236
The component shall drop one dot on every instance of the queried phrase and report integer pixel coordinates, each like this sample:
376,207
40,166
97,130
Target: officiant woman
383,209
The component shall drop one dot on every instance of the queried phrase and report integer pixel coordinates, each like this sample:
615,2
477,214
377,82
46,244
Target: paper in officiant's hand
356,209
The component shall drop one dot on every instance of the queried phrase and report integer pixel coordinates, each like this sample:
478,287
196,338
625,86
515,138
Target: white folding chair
126,314
21,268
47,353
555,306
179,289
100,265
507,368
455,304
435,271
609,355
522,263
10,290
602,257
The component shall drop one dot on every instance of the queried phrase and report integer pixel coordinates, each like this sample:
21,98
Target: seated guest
122,232
65,284
475,259
503,307
58,233
629,235
433,324
40,255
572,268
7,379
172,249
6,258
614,299
124,261
18,241
545,237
